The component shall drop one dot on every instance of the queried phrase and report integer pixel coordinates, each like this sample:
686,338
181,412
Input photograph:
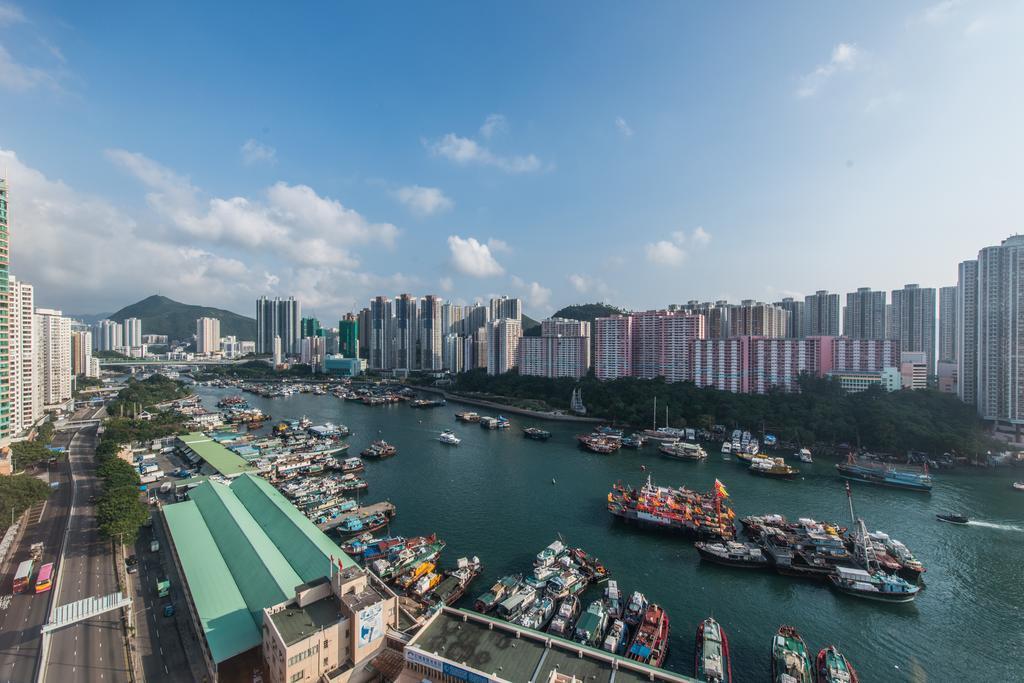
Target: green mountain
161,315
531,327
588,312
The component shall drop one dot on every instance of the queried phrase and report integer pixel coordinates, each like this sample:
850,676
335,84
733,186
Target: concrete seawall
510,409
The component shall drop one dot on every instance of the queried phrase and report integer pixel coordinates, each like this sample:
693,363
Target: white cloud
498,246
255,152
10,14
623,127
470,257
495,123
665,253
845,57
469,152
294,220
673,251
423,201
446,284
538,296
584,284
15,76
940,12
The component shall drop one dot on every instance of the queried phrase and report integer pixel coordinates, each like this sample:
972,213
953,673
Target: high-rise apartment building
431,333
5,322
999,390
474,317
107,335
53,336
756,318
967,332
25,406
348,336
207,335
278,318
864,315
613,347
795,323
562,350
81,353
717,316
405,328
947,324
451,317
310,327
913,311
506,307
503,337
821,314
132,331
364,332
314,350
865,355
382,315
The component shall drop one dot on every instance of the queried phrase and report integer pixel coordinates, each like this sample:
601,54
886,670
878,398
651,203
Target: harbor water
503,497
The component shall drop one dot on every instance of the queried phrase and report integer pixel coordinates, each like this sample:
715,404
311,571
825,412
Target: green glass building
348,336
310,327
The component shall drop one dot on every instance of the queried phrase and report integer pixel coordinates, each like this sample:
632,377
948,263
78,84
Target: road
92,650
22,616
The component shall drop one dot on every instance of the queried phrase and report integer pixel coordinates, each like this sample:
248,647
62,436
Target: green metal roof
254,548
226,619
217,456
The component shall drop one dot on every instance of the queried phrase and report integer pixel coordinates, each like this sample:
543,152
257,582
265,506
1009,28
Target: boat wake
1003,527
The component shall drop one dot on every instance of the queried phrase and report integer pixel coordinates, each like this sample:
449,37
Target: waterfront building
107,335
779,363
310,327
276,350
340,365
281,318
913,311
314,349
503,337
404,341
53,335
673,345
865,355
722,364
613,347
348,336
821,314
363,328
914,370
947,324
562,350
864,315
967,332
506,307
230,346
207,336
757,319
431,334
132,332
25,400
381,323
795,322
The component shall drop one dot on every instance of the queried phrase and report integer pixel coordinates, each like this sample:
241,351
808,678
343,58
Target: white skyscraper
431,333
24,377
913,313
53,336
132,331
503,345
207,335
107,336
506,308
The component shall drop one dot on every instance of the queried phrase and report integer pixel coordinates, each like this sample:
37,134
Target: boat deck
384,506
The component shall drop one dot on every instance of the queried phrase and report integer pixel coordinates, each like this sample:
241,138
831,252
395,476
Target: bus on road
45,577
23,576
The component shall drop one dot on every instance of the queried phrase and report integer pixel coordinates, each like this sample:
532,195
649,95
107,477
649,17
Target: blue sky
639,153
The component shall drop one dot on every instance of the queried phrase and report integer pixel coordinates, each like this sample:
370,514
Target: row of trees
254,370
119,511
145,393
17,494
820,414
33,451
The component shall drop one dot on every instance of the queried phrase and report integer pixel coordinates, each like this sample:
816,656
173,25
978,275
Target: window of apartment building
298,676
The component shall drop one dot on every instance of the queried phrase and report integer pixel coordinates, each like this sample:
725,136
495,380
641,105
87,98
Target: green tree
117,473
120,513
27,453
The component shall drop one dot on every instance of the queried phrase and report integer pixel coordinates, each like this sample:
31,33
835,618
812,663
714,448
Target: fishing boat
726,448
503,422
733,554
590,628
650,644
952,519
379,450
790,661
455,583
617,639
409,578
908,566
804,455
704,516
353,526
538,614
595,443
711,661
885,474
536,434
636,608
467,416
517,603
683,450
775,468
448,437
635,440
564,620
832,666
1018,485
876,585
613,600
498,592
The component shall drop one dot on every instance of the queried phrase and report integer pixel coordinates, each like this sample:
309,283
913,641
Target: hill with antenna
161,315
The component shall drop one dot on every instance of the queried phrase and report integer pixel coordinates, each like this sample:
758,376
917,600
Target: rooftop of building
515,654
244,547
215,455
296,623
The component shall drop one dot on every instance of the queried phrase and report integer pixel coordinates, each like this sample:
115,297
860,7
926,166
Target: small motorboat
804,455
448,437
952,519
1018,485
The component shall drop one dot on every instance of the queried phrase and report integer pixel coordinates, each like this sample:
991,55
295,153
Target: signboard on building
463,675
416,657
371,624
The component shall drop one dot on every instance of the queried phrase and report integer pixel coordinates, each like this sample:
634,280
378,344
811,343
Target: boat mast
654,422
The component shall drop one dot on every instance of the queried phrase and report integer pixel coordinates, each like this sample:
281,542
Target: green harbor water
493,497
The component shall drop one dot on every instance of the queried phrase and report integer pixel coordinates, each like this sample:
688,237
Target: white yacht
448,437
804,455
726,447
